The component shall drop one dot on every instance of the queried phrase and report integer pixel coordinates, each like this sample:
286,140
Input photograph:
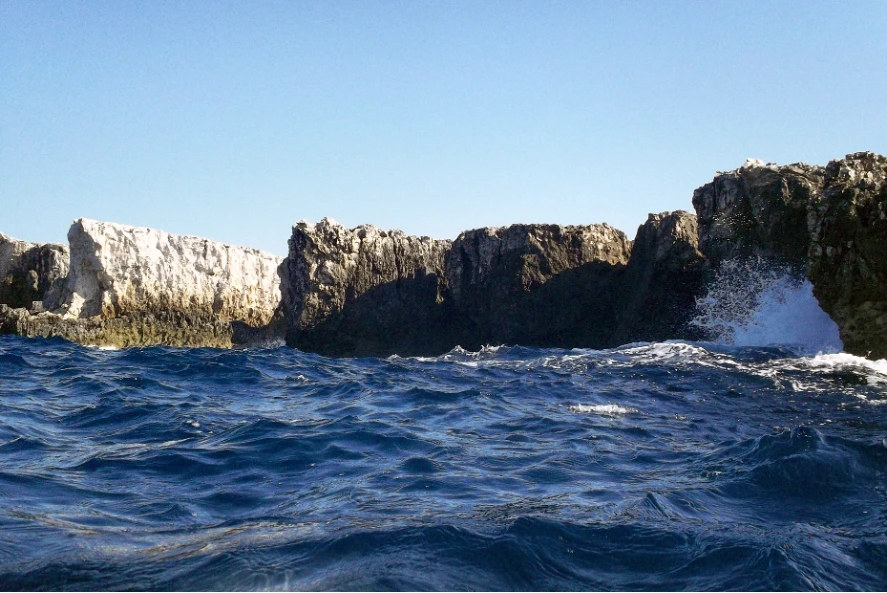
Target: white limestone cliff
118,269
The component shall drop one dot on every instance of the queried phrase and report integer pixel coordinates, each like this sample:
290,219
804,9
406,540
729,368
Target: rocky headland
369,292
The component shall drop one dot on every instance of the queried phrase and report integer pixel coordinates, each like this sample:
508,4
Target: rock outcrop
31,273
847,261
758,210
137,286
365,291
827,223
537,285
662,281
368,292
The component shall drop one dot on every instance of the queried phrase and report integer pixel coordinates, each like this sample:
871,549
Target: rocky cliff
365,291
664,277
537,285
758,210
137,286
31,273
826,222
847,260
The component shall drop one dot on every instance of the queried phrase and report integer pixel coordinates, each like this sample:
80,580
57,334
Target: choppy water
652,466
741,464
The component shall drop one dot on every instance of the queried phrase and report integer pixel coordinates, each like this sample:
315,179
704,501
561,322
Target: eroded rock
137,286
664,276
848,250
30,272
365,291
758,210
537,285
827,223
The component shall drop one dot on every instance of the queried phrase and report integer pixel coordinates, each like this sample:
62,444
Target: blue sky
233,120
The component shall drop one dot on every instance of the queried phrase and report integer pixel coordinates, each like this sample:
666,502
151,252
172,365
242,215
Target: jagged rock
537,285
365,291
758,210
663,278
848,251
30,272
138,286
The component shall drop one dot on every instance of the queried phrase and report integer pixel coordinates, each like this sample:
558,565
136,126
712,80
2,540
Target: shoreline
366,291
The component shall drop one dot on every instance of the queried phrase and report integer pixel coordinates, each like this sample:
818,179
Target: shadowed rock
848,250
663,279
537,285
365,291
30,272
758,210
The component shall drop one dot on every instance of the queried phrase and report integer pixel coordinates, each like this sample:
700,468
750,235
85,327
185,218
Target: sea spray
752,302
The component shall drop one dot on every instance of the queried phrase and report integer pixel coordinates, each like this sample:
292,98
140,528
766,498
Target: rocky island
369,292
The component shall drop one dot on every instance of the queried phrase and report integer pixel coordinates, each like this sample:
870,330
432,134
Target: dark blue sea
650,466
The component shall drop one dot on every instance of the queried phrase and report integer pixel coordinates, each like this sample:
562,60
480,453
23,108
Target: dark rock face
30,272
537,285
367,292
758,210
663,279
848,251
364,291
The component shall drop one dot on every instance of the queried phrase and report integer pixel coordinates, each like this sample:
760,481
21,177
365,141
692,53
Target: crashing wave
755,303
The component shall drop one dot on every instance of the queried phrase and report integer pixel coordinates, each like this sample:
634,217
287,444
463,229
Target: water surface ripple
651,466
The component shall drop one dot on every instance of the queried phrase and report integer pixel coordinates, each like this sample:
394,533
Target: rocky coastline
369,292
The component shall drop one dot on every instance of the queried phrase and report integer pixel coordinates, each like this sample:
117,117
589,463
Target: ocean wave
653,465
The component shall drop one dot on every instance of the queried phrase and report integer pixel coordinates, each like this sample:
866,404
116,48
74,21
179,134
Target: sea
755,460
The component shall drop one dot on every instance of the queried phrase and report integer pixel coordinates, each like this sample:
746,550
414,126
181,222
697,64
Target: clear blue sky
233,120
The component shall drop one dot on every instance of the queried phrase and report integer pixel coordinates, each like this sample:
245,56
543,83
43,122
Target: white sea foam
874,371
602,409
754,303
